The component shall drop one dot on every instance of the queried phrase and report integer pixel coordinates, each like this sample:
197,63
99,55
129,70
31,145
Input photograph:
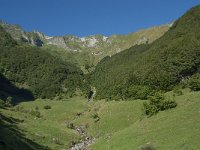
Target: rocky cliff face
102,45
34,38
57,41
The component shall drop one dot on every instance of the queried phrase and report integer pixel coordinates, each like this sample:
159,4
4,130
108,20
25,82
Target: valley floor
113,125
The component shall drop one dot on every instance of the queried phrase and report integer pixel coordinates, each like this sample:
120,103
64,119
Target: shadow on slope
11,138
7,89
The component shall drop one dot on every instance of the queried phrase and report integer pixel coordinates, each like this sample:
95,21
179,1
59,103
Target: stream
85,141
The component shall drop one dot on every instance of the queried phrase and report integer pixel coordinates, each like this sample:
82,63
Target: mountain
42,77
101,46
22,37
35,70
85,52
157,66
5,39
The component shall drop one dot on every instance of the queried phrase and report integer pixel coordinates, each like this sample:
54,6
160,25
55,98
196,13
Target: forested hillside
33,69
5,39
84,52
158,66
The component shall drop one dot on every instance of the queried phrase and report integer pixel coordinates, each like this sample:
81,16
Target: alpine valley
137,91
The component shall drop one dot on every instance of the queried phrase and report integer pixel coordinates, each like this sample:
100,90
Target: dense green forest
37,71
144,69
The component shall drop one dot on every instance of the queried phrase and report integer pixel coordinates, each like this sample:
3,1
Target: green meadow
114,124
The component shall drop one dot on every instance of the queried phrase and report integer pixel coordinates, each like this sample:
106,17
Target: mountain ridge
88,50
158,66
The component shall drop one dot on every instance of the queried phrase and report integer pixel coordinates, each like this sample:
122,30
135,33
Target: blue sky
88,17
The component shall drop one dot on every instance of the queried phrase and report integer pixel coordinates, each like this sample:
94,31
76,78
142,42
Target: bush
158,103
167,104
147,146
47,107
150,109
71,126
8,102
194,82
138,92
35,113
95,116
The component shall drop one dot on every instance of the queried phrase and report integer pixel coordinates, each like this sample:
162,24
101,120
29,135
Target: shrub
158,103
167,104
47,107
137,92
150,109
95,116
71,126
35,113
8,102
194,82
147,146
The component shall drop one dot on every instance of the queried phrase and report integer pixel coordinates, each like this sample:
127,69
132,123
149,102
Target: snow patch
74,50
83,39
105,38
24,36
97,53
171,24
48,37
92,42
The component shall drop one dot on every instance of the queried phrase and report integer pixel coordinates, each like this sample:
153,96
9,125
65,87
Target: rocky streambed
85,141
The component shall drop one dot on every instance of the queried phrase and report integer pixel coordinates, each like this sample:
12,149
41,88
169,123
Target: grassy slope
174,129
52,124
114,116
122,125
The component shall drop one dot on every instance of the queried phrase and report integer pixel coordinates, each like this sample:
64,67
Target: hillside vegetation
157,66
6,39
115,125
146,97
84,52
33,69
173,129
9,92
